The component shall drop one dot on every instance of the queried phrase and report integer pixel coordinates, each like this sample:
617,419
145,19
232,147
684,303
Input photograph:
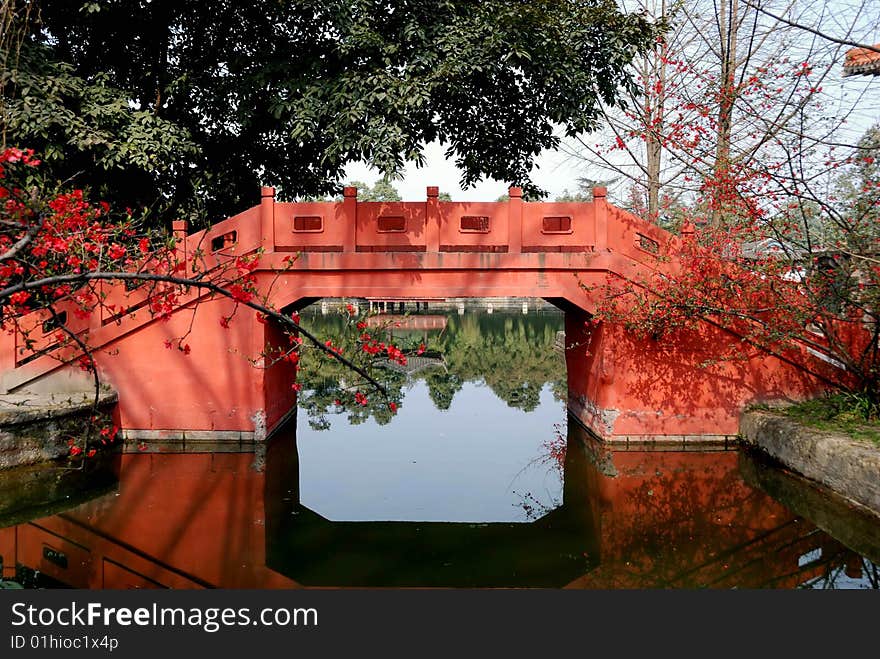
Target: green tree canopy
287,93
381,190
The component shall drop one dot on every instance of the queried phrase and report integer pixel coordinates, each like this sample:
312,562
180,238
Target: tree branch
806,28
180,281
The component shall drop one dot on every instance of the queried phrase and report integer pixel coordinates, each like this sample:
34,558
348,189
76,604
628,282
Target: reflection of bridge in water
414,364
409,323
421,304
629,519
396,325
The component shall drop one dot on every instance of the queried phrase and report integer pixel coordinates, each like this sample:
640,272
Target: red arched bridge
622,389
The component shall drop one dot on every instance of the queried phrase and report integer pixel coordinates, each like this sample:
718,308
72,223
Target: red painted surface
427,250
654,519
642,390
648,507
177,521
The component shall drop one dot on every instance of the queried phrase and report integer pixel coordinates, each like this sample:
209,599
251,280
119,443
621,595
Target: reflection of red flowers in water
554,449
552,453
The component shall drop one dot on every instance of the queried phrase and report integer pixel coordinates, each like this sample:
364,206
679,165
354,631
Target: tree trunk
654,109
723,188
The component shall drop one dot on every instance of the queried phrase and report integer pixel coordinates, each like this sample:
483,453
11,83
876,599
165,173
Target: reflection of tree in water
552,457
854,568
326,391
442,387
328,387
513,355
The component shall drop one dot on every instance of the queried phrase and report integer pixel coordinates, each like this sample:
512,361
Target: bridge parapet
511,226
505,228
432,226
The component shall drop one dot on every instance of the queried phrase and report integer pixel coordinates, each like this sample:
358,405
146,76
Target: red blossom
239,294
19,298
116,252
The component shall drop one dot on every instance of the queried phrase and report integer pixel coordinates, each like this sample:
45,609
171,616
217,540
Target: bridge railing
511,226
37,335
348,226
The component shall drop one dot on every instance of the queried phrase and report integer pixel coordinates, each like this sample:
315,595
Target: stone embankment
37,427
847,466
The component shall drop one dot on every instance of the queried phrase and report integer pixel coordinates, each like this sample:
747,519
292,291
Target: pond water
480,480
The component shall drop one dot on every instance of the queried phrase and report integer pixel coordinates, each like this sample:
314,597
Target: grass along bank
852,414
833,440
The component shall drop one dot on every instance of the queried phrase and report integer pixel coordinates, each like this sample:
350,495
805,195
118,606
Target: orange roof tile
862,61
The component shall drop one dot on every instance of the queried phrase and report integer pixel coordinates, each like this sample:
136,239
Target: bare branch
195,283
807,28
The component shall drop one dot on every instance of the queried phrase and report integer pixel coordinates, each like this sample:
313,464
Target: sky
554,171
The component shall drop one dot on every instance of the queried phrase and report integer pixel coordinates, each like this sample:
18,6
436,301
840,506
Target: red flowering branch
57,247
772,300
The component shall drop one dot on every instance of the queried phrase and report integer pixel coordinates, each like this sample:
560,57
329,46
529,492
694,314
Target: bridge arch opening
483,390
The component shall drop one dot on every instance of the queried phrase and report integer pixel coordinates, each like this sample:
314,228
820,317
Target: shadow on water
547,552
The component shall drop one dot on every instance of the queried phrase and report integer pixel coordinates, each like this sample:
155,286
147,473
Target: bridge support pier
689,387
215,385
